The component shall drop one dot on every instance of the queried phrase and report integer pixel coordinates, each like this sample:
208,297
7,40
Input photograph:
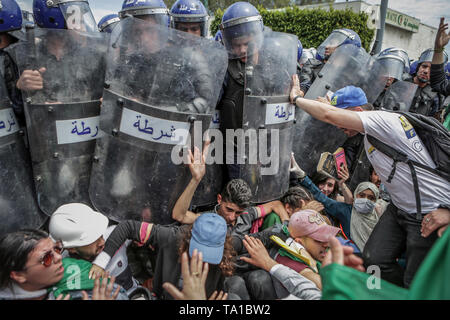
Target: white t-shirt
395,131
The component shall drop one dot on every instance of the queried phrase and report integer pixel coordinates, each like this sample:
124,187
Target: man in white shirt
399,229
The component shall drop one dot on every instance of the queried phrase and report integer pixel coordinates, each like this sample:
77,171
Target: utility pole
380,32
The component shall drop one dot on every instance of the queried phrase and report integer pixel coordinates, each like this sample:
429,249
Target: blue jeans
396,233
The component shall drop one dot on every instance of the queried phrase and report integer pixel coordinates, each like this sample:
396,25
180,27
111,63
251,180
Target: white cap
77,225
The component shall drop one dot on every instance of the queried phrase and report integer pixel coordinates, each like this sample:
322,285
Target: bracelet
439,50
295,98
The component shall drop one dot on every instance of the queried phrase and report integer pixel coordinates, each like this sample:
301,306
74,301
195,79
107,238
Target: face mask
363,205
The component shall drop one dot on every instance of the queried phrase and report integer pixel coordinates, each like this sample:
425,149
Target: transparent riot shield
349,65
63,117
268,118
18,205
399,96
161,88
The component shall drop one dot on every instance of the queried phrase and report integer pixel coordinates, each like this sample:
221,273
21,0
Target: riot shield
18,206
268,118
63,117
399,96
161,88
349,65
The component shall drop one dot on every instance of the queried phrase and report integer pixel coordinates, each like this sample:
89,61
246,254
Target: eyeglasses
49,257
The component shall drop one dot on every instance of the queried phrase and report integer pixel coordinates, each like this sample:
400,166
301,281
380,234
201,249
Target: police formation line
354,173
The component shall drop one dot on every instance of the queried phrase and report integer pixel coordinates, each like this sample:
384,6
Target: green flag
431,281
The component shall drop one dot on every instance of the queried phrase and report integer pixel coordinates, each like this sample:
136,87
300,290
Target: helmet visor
335,39
395,66
243,39
155,15
428,56
306,56
78,16
194,27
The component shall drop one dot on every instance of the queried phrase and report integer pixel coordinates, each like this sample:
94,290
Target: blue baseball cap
208,237
348,97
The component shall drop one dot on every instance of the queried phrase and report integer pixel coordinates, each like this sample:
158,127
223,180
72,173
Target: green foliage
311,26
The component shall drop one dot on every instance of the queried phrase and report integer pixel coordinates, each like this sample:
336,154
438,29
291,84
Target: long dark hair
227,263
15,248
319,178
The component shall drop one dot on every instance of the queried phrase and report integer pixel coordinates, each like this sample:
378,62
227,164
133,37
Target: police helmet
338,38
189,11
64,14
143,9
108,22
242,22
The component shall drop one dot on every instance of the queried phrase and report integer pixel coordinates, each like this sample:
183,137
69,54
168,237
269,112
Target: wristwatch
295,99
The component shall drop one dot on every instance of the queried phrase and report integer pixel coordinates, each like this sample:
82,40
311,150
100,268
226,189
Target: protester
356,220
399,226
208,235
310,232
438,79
194,277
33,264
82,232
384,199
233,202
294,282
341,282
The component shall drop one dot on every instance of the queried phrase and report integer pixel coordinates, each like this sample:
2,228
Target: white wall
413,42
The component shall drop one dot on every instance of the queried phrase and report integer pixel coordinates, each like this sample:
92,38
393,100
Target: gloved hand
294,169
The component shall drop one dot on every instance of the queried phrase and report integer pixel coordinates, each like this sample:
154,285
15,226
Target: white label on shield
8,122
153,129
279,113
78,130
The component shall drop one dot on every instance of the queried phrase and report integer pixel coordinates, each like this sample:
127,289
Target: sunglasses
48,258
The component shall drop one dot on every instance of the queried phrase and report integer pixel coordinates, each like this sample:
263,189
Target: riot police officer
312,68
62,64
153,10
64,14
190,16
426,101
18,205
307,54
108,22
396,62
10,25
242,31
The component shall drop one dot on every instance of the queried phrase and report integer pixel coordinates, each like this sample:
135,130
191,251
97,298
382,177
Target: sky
427,11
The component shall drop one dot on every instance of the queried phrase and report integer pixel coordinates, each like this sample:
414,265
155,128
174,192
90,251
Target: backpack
436,139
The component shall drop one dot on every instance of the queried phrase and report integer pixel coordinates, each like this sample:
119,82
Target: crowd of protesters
314,242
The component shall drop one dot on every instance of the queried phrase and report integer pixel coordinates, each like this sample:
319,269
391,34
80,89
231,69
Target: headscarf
361,225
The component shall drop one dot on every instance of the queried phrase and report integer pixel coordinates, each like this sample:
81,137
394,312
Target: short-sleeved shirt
395,130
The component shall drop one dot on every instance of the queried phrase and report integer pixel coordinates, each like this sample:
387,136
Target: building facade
401,30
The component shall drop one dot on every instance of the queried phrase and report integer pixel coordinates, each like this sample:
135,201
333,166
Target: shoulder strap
398,156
